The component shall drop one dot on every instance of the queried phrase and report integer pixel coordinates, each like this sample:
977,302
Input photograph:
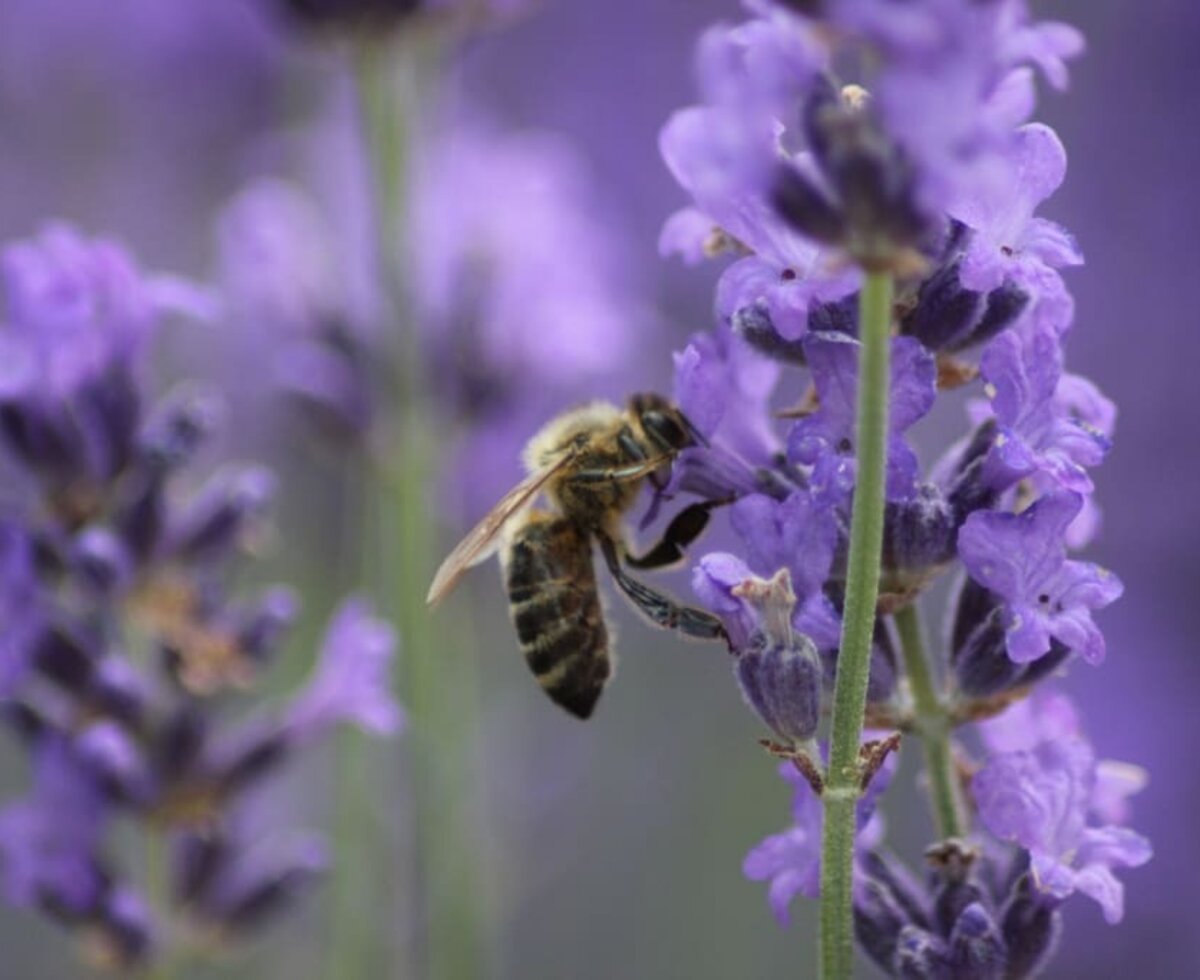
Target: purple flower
1009,243
797,533
236,883
525,301
791,860
516,276
1047,424
777,668
350,684
75,308
78,318
787,274
110,754
291,297
950,83
1040,797
103,554
20,605
825,439
716,580
724,387
49,840
1011,247
1022,558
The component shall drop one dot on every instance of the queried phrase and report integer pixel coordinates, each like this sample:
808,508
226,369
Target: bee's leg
685,527
620,474
658,606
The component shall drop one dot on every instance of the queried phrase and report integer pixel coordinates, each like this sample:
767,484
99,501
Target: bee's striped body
556,610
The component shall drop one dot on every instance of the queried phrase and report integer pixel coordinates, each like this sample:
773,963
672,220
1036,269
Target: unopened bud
779,671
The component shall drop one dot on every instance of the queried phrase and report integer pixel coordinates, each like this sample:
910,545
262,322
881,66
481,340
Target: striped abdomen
556,609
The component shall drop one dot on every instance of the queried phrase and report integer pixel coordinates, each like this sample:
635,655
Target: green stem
163,966
842,787
441,901
933,724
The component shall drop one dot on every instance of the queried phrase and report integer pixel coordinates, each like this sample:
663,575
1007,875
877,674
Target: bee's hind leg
685,527
659,606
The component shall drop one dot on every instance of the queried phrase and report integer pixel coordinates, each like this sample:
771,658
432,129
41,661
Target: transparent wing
481,541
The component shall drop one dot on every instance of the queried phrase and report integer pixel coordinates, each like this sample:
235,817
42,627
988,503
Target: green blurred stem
933,724
158,894
436,904
842,786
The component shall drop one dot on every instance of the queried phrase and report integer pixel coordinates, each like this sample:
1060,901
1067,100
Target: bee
590,463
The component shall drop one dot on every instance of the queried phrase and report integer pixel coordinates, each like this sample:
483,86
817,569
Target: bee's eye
665,431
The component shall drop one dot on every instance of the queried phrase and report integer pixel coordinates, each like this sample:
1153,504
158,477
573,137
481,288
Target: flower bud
967,489
63,656
122,932
118,690
200,858
976,946
264,627
1031,925
101,561
878,919
918,533
139,519
256,751
779,671
979,651
920,955
214,523
107,751
179,744
264,886
949,317
178,427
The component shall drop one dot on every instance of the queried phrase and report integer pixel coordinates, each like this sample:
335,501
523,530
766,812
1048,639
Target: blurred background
612,848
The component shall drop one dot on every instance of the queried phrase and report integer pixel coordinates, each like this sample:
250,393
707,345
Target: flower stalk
438,904
933,724
843,781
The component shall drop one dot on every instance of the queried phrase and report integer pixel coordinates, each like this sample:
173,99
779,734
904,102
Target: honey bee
590,463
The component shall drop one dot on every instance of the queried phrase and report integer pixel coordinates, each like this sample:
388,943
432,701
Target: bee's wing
484,537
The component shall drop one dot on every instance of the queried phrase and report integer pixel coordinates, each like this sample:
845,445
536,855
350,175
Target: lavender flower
50,840
125,626
523,298
922,168
1038,429
295,305
350,681
1039,789
1021,558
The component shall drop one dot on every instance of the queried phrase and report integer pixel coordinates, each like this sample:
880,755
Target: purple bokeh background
621,841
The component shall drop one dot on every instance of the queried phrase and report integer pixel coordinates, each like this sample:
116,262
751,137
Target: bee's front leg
658,606
685,527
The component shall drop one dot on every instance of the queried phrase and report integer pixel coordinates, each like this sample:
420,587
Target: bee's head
666,428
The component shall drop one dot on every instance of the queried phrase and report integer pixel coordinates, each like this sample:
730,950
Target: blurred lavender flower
925,168
522,297
1040,787
294,305
125,626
